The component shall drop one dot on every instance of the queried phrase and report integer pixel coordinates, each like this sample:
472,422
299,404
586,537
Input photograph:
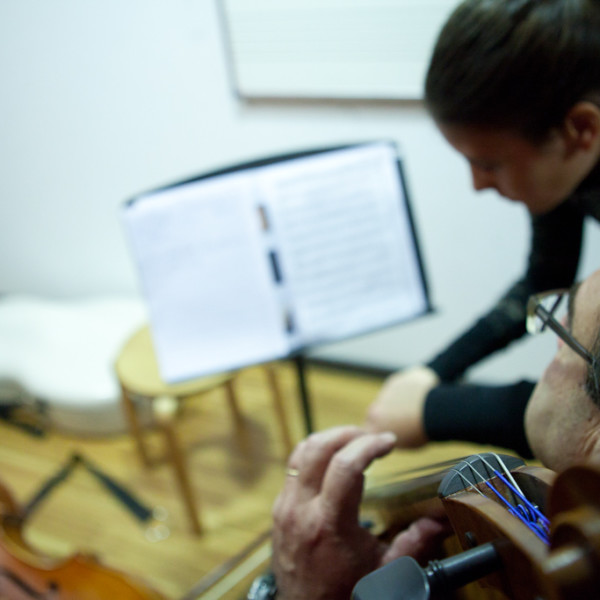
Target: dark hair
516,64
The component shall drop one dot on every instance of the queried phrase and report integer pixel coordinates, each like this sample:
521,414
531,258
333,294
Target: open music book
262,260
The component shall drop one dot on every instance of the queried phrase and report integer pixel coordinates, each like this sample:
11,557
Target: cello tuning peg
402,579
405,579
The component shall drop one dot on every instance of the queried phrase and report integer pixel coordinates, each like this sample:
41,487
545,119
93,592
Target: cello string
521,515
381,479
506,470
516,511
494,470
512,509
511,484
532,508
469,483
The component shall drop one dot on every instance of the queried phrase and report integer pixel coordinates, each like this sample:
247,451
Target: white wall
106,98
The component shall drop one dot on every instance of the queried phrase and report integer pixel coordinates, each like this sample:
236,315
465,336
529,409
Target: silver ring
291,472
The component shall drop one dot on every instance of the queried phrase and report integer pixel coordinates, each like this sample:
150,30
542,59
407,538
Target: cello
491,555
526,533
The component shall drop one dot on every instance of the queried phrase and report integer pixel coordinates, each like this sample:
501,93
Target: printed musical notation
258,263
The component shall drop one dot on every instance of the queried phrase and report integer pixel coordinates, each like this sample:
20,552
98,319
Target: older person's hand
400,404
320,550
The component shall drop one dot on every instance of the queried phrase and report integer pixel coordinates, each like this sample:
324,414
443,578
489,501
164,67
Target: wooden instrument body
568,568
26,574
478,519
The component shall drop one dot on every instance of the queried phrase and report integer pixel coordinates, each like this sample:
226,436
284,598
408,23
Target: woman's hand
399,406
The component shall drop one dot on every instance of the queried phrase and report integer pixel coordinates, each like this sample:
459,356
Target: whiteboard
353,49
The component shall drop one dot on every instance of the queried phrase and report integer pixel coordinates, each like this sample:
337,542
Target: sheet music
342,231
252,265
206,278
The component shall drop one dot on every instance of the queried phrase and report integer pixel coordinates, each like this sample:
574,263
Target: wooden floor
236,474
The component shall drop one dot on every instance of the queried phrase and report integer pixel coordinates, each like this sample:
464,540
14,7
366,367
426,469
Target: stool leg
134,426
232,401
164,410
279,408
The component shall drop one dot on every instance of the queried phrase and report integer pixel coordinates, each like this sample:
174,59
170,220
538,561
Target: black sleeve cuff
483,414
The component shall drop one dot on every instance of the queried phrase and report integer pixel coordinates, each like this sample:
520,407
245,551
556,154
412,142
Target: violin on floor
525,532
26,574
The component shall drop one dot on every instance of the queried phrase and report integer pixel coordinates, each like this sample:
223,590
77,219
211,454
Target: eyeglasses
549,310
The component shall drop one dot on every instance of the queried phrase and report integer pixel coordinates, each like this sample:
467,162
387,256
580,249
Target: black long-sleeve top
495,414
556,240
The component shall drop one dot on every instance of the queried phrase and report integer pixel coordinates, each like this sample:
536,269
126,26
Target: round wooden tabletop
137,370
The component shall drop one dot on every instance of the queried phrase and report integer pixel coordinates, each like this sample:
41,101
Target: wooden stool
138,374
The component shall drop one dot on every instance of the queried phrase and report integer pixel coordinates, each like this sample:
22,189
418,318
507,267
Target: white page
334,227
206,277
346,245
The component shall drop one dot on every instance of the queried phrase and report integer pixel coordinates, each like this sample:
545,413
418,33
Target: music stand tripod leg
303,389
